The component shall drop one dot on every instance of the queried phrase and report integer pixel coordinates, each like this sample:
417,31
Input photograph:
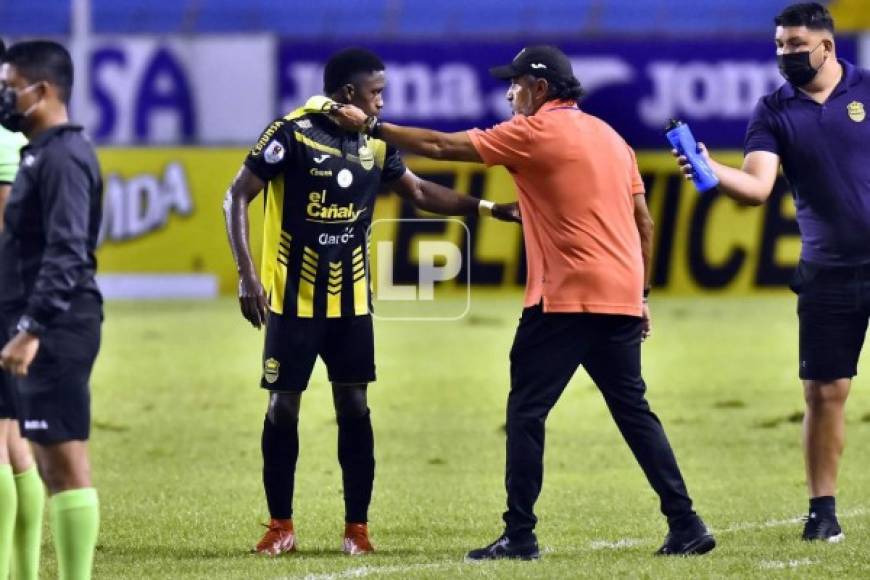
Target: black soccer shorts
833,310
346,345
53,402
7,382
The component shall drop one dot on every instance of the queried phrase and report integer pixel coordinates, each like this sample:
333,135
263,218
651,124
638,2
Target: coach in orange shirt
588,237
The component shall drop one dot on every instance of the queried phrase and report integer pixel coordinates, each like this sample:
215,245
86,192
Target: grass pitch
178,412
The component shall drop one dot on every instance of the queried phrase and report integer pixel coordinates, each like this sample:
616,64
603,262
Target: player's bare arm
5,188
438,199
645,227
425,142
750,185
252,298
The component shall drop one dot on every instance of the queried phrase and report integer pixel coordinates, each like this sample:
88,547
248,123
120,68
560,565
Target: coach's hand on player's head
507,212
349,117
16,356
684,164
252,300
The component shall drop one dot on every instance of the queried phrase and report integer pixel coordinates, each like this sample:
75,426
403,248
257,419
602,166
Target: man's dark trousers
547,349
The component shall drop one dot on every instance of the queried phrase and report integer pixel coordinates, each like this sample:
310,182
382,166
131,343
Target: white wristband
485,207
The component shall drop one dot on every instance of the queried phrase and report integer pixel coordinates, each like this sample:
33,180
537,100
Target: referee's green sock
8,507
75,523
28,525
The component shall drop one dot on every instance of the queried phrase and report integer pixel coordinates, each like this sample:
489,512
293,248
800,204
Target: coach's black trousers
547,350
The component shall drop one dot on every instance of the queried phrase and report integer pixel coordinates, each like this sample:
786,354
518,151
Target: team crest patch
270,370
856,111
274,153
303,123
366,157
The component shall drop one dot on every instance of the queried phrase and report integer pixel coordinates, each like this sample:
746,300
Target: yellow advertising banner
163,215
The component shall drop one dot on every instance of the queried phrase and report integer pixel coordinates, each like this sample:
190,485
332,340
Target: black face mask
797,68
10,118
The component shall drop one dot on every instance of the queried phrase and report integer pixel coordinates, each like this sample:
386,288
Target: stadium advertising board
146,90
149,90
163,215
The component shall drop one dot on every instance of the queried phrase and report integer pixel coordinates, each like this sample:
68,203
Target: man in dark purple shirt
815,125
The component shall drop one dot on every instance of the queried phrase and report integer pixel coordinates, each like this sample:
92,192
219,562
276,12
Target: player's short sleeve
637,185
761,133
267,158
505,144
394,166
10,154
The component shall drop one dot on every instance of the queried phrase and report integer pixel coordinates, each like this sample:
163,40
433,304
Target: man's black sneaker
505,548
691,541
824,528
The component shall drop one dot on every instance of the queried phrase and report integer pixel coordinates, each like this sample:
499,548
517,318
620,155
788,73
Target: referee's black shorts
346,345
833,310
53,402
7,385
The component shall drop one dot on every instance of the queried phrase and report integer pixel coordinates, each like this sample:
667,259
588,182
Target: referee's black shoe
823,528
505,548
692,540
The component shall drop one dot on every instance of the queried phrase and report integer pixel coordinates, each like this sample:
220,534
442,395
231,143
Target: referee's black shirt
52,224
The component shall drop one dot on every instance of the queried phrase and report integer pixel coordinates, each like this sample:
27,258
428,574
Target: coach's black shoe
692,540
505,548
823,528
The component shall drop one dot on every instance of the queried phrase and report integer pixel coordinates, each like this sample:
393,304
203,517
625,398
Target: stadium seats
45,17
135,16
399,18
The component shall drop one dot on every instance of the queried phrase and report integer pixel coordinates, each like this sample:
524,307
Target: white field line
617,545
738,527
364,571
777,565
778,523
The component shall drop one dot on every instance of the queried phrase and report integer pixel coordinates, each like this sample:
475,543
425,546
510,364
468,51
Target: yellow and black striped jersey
323,182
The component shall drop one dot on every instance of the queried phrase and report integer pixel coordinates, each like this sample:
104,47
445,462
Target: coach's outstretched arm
752,184
252,297
425,142
435,198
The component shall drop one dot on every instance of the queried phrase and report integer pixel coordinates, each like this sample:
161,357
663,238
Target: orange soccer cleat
279,538
356,540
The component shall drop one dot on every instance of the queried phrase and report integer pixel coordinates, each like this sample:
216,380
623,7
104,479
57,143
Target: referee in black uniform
50,307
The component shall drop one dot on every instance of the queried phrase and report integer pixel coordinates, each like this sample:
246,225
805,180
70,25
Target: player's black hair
343,66
2,47
565,90
810,14
43,60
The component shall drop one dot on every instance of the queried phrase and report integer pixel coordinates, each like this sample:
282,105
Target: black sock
356,454
824,506
280,445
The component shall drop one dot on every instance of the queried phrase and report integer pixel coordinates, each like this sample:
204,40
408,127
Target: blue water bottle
683,141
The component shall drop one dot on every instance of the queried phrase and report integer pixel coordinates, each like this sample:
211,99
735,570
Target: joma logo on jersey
266,136
318,209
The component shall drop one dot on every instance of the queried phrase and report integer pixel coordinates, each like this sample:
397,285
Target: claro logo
136,206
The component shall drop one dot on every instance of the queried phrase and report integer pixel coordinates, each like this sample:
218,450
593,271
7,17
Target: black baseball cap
540,61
